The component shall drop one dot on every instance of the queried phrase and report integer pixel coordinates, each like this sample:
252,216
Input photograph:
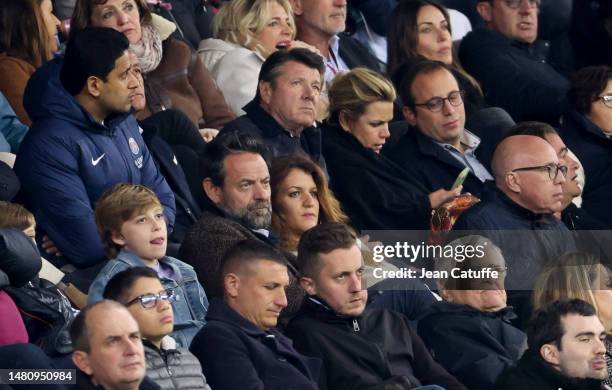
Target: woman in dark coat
373,191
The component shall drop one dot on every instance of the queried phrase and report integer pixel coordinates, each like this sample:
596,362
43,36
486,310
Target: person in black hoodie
374,191
566,350
361,348
587,131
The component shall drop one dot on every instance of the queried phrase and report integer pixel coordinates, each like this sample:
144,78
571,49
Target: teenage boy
140,290
132,224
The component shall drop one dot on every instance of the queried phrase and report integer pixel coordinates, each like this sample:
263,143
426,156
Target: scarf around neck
149,49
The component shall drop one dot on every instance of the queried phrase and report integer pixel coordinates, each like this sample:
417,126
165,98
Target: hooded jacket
473,345
68,160
372,351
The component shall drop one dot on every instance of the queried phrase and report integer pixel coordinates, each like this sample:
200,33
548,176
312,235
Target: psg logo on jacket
136,150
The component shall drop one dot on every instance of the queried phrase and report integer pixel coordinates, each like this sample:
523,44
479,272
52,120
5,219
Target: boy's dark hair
92,51
119,286
404,77
586,85
322,239
270,70
212,161
545,325
245,253
537,129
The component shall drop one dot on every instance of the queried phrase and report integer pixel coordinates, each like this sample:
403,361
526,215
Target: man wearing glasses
141,291
440,147
504,59
517,213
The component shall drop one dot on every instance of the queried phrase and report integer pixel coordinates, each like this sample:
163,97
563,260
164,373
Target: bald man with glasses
511,65
517,212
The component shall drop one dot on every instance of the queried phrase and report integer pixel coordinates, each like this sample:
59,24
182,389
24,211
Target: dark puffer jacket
173,368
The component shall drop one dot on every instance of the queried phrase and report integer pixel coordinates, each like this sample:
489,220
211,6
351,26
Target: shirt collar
469,140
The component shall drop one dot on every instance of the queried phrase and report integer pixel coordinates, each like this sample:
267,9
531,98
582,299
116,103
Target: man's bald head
523,165
520,151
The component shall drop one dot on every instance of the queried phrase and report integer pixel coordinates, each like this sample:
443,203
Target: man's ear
296,6
81,360
231,284
213,191
513,182
265,91
550,354
94,85
484,10
409,115
308,285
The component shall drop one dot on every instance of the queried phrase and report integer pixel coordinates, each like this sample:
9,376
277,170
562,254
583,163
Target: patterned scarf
149,49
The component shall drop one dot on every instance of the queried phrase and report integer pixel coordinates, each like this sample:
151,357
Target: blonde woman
246,33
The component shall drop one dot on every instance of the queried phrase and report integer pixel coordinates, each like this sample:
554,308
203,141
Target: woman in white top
246,33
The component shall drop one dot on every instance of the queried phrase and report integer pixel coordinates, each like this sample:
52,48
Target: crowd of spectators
194,193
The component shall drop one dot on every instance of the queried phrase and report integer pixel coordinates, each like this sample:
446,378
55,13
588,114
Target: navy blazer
430,164
236,354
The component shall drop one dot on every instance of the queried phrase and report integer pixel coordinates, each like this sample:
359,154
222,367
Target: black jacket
258,123
372,351
236,354
373,190
594,150
355,54
430,164
533,373
19,258
513,77
472,345
588,233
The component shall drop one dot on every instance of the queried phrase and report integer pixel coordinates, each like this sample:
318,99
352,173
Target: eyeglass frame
548,167
170,296
428,103
606,99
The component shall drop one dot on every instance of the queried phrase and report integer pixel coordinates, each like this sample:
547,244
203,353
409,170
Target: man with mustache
284,109
361,348
236,183
506,59
566,350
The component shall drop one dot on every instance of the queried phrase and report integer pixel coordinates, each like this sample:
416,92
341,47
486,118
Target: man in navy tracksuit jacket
69,157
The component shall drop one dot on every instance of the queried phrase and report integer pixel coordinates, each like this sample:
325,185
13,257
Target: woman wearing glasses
587,131
374,191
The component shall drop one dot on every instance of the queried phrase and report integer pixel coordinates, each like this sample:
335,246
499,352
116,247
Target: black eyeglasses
149,301
606,99
435,104
515,4
552,169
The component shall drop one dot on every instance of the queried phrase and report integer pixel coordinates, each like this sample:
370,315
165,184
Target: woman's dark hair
329,207
23,33
586,85
402,39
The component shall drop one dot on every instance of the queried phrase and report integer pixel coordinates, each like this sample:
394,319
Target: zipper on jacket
355,325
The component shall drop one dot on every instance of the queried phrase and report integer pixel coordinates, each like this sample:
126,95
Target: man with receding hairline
517,212
239,347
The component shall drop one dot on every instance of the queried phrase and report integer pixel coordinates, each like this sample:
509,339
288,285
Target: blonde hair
118,205
572,276
239,22
351,92
13,215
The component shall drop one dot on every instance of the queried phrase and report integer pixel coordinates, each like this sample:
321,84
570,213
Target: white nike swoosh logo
96,161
